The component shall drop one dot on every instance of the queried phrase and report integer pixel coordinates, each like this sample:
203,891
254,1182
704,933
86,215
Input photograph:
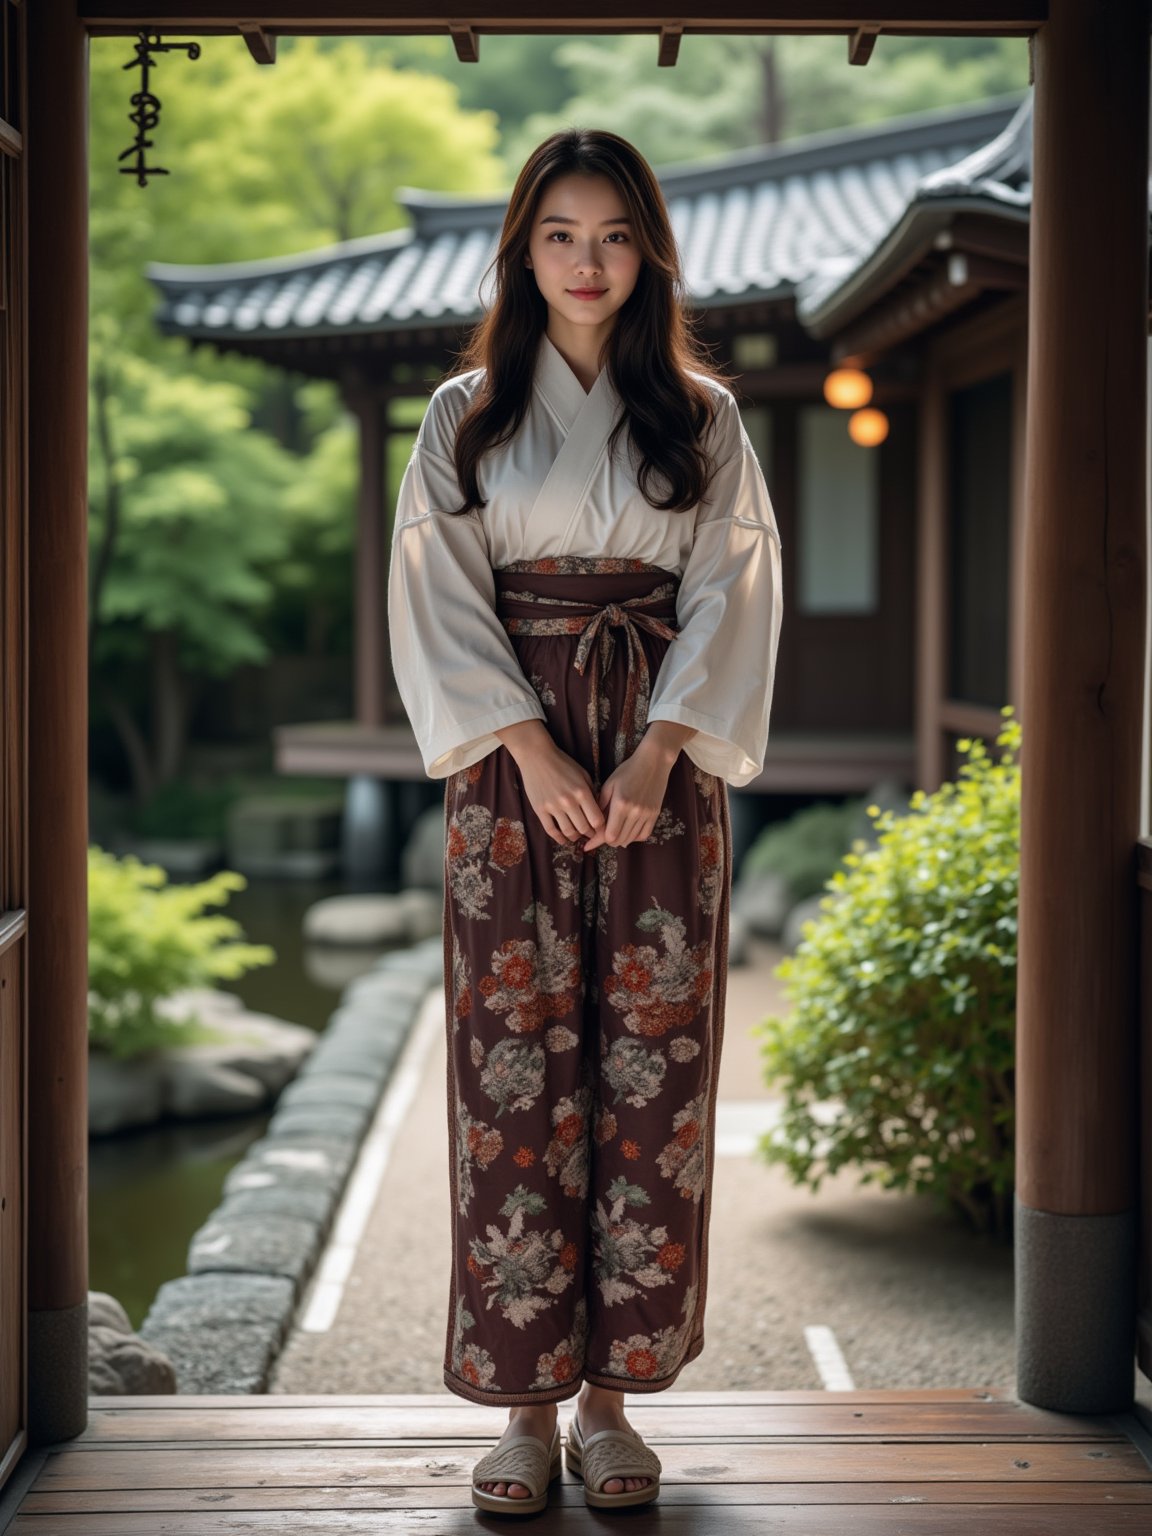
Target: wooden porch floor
918,1463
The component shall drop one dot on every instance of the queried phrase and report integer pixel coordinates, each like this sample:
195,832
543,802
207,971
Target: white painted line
741,1122
830,1363
327,1290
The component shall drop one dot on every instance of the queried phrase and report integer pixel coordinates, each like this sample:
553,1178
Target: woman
585,605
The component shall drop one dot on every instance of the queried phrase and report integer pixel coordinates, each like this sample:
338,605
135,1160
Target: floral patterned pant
585,1001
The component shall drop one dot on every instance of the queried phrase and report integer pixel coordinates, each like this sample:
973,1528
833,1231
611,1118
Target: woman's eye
616,233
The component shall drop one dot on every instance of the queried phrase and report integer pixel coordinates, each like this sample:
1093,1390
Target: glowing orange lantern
847,388
868,427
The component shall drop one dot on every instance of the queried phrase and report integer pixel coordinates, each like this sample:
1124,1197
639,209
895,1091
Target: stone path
910,1298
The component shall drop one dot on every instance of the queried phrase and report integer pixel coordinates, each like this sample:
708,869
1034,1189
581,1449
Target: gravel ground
913,1299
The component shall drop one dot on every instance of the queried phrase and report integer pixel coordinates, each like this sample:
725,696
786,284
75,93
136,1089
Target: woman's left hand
632,796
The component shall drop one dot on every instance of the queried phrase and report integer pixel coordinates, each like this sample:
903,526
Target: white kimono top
551,490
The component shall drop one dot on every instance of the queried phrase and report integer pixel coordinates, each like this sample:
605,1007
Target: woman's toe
518,1490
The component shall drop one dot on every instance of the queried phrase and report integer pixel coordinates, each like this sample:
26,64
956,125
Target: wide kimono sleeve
718,673
458,675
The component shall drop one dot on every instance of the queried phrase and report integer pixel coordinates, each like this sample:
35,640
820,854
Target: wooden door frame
1083,562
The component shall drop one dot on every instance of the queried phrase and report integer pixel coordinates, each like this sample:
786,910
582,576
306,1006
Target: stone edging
224,1322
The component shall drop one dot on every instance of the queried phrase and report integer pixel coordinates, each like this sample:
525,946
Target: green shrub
898,1052
147,940
806,848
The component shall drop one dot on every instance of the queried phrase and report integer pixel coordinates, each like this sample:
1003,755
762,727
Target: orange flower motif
509,843
488,985
469,1372
710,850
568,1256
524,1157
472,1265
634,974
641,1363
630,1149
517,972
457,842
569,1129
563,1368
688,1135
671,1256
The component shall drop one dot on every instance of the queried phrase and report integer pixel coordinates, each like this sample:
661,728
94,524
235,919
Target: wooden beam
57,162
670,35
466,42
861,43
1084,547
261,42
1010,18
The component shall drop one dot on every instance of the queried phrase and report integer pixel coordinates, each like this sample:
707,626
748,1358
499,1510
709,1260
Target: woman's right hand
559,788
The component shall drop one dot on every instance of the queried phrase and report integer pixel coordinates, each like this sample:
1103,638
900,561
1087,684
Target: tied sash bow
598,641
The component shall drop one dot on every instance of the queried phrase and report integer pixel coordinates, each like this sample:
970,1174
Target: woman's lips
587,293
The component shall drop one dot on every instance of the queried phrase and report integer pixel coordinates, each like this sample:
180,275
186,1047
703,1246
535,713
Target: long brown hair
649,350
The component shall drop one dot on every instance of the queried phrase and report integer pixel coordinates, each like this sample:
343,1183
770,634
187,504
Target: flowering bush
898,1052
147,940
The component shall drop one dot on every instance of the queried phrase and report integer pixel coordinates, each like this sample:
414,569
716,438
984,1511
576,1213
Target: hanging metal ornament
146,106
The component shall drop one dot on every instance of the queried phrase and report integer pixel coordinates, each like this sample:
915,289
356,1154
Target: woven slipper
521,1459
607,1454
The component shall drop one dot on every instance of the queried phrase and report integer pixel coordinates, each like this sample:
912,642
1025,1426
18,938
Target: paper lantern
847,388
868,427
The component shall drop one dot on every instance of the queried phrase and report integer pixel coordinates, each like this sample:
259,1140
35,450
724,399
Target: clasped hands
562,793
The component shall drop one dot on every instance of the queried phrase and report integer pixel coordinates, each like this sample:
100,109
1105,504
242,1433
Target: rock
382,918
330,1088
314,1205
425,911
306,1163
198,1089
272,1245
123,1094
257,1046
119,1361
384,992
243,1066
125,1365
221,1331
762,901
422,858
343,1122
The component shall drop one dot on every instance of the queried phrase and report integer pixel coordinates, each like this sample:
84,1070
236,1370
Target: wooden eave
1009,18
950,267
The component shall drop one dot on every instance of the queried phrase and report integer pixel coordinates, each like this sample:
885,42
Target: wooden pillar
57,721
372,658
1084,581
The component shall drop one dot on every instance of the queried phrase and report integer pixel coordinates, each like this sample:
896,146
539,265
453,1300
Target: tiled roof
995,177
790,219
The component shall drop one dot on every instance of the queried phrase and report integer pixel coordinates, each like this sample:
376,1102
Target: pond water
150,1190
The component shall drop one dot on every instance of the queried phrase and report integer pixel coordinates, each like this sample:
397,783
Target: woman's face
582,242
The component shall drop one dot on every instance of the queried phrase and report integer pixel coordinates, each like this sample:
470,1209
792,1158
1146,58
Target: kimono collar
562,389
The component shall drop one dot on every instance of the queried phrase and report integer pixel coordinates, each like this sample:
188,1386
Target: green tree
187,522
210,541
